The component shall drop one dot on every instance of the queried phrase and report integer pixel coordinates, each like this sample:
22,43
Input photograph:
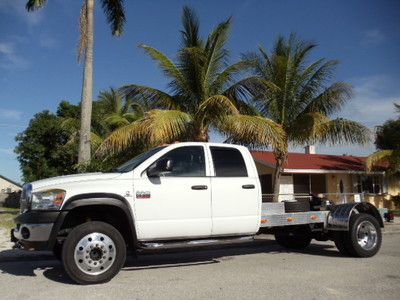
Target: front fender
93,199
339,216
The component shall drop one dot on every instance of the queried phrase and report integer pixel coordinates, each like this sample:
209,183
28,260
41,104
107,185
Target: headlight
47,200
26,197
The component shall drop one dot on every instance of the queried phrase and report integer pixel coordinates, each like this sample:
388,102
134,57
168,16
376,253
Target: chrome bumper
37,232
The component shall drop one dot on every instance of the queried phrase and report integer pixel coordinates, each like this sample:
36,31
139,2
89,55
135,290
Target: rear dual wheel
93,252
294,238
363,239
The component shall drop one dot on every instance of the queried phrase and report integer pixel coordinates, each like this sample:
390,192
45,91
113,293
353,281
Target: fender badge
142,195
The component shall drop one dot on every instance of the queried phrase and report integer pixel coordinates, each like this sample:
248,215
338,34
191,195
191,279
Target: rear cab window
228,162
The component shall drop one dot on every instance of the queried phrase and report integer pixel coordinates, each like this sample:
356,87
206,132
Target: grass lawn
7,216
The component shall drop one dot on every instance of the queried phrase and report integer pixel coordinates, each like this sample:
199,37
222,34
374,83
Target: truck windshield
137,160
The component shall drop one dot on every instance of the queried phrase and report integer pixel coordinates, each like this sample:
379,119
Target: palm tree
388,145
389,157
120,111
202,94
296,95
115,13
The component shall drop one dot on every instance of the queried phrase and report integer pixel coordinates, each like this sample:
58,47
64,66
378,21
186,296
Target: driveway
262,270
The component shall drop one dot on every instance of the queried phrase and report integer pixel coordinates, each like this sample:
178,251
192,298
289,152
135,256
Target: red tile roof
303,161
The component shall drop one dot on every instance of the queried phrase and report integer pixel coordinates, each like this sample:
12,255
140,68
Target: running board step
194,243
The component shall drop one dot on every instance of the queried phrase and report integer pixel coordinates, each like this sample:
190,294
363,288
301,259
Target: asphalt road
261,271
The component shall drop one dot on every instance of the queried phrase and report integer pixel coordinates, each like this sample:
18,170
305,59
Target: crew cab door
236,202
177,203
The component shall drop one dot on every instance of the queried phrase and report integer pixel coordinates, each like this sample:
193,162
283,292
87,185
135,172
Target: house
8,186
341,178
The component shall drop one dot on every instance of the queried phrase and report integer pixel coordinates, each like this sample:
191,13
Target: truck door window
186,161
228,162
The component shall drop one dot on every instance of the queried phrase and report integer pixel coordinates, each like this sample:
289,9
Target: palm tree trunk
280,158
87,90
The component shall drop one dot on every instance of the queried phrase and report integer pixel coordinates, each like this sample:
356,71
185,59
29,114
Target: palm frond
215,51
120,139
111,100
331,100
306,128
149,95
32,5
390,157
252,130
167,65
95,140
216,108
164,126
339,131
312,80
397,107
190,32
115,13
226,76
116,120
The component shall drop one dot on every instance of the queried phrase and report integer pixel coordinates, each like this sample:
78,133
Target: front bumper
34,230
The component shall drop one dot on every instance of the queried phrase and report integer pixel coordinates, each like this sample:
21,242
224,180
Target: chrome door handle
248,186
199,187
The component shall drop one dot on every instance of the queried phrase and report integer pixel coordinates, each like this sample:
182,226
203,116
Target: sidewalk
393,227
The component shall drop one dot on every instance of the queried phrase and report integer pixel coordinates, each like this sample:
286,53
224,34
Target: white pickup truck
181,195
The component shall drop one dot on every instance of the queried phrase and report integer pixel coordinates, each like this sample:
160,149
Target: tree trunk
280,158
87,91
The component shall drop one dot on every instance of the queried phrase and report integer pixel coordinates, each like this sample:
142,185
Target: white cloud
46,41
10,114
18,8
9,59
373,102
372,37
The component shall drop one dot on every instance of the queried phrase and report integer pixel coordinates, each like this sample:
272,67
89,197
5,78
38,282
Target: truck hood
60,180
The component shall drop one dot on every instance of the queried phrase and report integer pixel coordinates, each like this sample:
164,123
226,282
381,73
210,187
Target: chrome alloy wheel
367,235
95,253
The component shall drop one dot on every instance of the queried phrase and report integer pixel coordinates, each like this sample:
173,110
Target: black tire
373,238
57,250
297,206
296,238
77,235
340,243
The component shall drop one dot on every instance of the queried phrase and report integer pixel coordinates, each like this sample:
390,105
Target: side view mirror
164,165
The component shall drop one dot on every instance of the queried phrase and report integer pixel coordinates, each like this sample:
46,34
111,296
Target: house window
318,183
301,183
371,184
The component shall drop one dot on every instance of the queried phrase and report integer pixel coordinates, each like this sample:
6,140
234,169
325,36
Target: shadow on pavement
52,269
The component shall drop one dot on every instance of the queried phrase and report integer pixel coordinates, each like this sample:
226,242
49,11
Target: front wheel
93,252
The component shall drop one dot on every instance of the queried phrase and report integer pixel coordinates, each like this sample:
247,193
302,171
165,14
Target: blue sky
38,66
